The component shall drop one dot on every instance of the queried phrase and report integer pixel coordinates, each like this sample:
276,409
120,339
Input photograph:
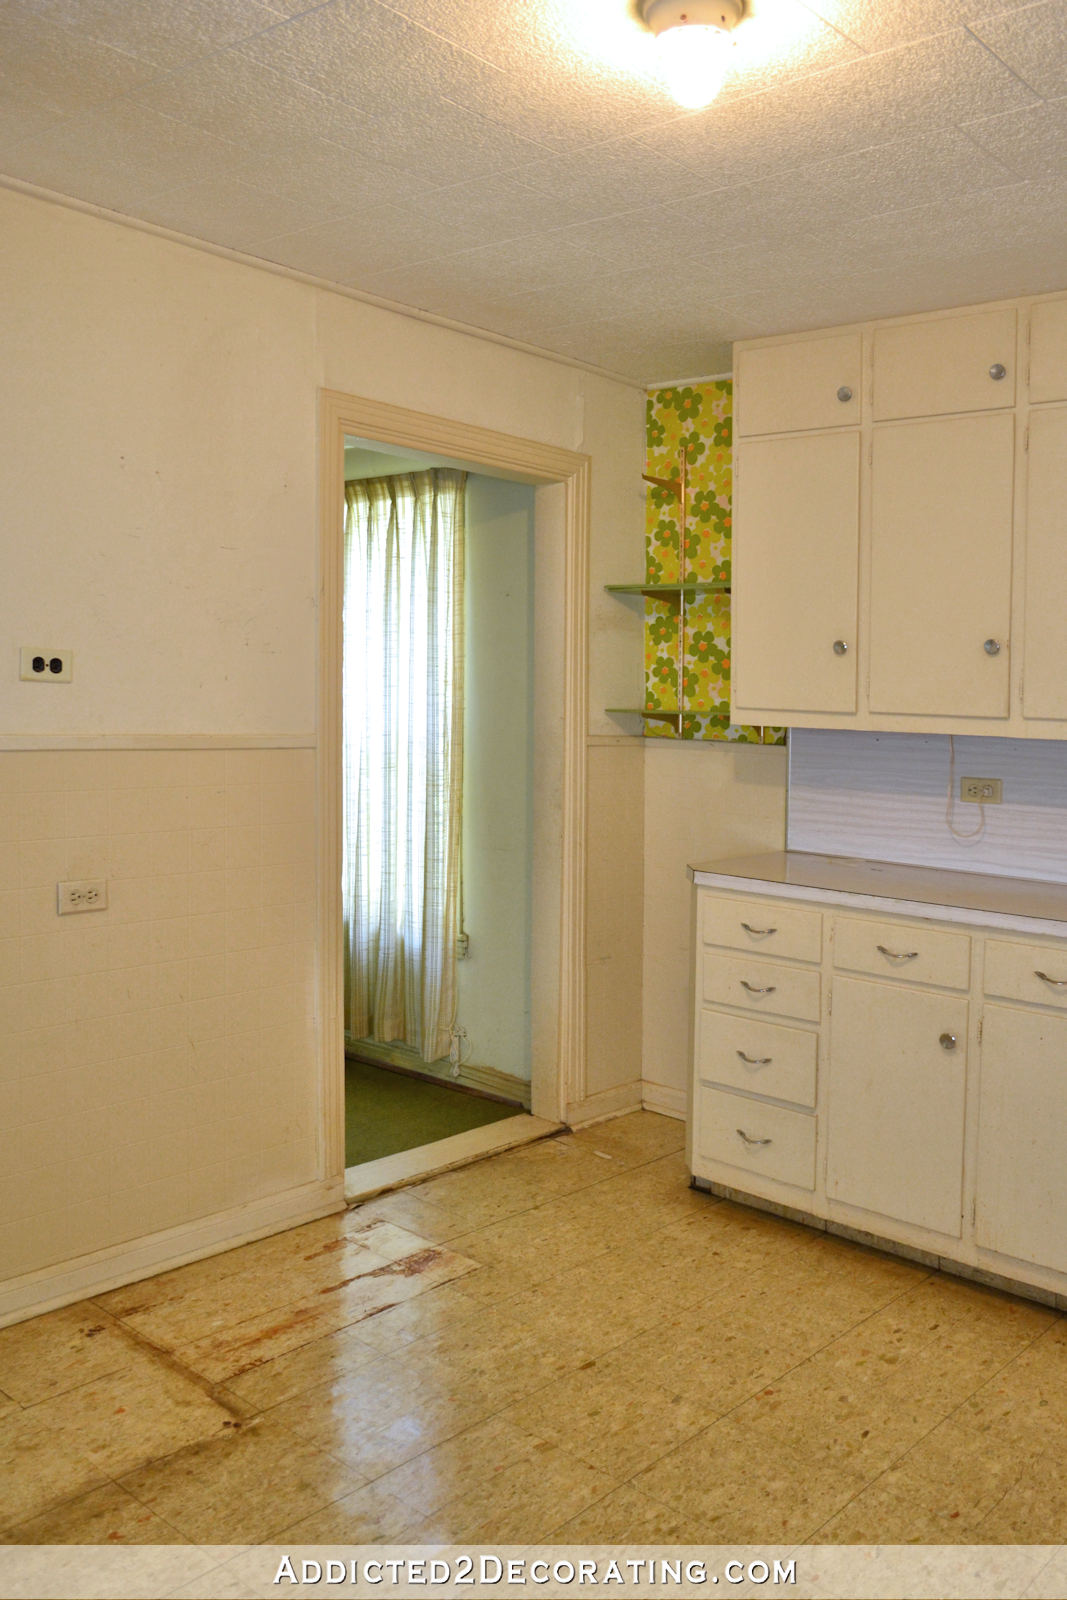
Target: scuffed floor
563,1342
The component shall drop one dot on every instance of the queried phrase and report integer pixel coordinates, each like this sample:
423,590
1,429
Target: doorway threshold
427,1160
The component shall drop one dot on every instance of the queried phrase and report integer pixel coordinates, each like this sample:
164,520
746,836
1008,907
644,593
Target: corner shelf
697,586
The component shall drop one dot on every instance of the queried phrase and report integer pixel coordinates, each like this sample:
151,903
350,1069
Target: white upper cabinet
1048,351
812,383
1045,666
944,597
941,499
926,369
795,600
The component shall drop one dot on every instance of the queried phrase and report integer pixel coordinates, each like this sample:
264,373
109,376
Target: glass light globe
693,60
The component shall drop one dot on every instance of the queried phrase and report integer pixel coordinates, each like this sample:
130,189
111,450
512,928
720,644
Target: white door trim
561,716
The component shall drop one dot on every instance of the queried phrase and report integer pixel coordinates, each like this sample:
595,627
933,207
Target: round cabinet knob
947,1041
997,371
840,647
844,393
992,647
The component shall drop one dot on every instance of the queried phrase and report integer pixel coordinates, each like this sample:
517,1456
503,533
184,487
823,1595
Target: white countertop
1025,905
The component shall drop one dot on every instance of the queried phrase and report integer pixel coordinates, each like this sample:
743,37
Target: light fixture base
659,15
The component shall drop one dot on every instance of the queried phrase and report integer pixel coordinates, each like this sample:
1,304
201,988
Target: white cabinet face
941,561
795,585
1045,664
814,383
1022,1136
925,369
895,1135
1048,350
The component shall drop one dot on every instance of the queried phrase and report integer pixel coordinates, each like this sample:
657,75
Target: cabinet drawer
773,930
785,387
895,950
757,1057
1013,971
757,1137
926,369
760,986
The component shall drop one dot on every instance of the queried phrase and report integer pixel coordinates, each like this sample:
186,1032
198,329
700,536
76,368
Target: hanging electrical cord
950,808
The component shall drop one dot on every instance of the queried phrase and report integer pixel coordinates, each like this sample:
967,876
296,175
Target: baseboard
608,1103
486,1080
85,1276
668,1102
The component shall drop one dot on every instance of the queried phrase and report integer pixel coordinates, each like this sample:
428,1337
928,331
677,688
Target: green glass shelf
698,586
635,711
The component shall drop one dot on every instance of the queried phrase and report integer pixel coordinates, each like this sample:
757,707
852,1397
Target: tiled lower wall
157,1059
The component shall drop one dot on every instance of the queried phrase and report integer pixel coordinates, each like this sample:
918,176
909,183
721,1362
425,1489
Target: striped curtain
403,755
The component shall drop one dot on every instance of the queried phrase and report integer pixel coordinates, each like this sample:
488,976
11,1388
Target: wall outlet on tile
38,665
90,894
986,791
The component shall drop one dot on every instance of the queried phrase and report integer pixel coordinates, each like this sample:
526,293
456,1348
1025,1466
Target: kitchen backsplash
885,797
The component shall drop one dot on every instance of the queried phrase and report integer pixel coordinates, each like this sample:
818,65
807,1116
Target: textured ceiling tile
1033,143
496,209
167,33
445,143
1032,43
225,212
329,177
63,69
618,176
350,251
237,100
884,23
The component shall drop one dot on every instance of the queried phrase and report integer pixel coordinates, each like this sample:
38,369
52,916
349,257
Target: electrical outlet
87,895
37,665
986,791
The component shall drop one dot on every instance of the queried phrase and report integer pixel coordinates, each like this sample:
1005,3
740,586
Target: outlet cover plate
983,791
56,666
87,894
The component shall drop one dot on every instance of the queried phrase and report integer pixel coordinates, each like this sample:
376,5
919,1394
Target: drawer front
926,369
771,930
760,986
1014,971
906,954
759,1138
757,1056
811,383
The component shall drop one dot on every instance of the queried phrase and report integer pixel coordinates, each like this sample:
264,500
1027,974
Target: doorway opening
557,1042
438,840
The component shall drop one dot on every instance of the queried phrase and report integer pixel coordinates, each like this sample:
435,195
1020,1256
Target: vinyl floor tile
107,1515
59,1351
34,1474
626,1516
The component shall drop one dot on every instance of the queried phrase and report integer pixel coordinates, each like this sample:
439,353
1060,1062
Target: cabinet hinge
981,1024
974,1211
870,454
1026,431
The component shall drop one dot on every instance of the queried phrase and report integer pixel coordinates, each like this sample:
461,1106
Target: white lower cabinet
1021,1208
898,1068
901,1077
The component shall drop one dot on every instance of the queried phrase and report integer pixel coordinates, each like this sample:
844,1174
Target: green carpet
390,1111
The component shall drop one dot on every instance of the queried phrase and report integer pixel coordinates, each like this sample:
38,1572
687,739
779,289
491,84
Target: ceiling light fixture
693,39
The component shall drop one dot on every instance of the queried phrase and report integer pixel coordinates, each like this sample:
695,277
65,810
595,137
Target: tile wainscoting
158,1059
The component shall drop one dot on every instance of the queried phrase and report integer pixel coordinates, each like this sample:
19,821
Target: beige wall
702,800
157,493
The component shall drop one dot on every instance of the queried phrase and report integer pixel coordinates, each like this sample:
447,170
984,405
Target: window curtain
403,755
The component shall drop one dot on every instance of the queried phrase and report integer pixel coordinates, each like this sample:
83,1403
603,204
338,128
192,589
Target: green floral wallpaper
698,419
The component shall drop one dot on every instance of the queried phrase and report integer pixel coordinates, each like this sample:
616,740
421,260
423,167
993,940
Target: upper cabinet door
813,383
1045,663
941,567
795,570
1048,350
926,369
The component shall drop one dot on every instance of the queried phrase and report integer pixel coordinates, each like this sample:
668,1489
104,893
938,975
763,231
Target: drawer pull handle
743,1135
758,933
1057,983
755,1061
752,989
897,955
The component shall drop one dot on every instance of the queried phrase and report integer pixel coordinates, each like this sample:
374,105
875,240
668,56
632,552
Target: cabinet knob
992,647
844,394
947,1041
997,371
840,647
